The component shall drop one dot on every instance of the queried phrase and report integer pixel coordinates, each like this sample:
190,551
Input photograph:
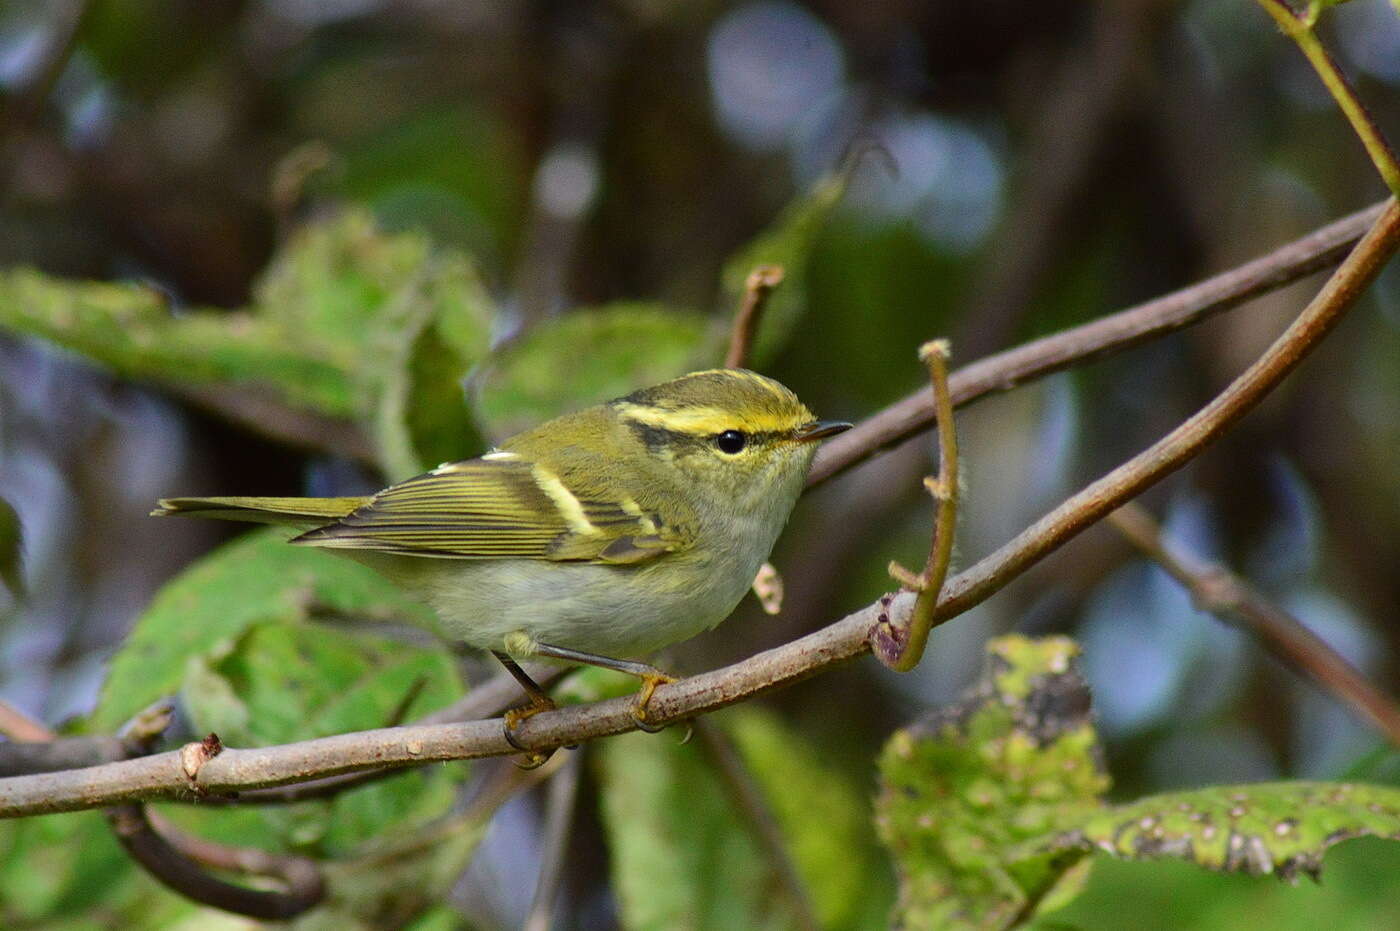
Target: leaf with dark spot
1283,828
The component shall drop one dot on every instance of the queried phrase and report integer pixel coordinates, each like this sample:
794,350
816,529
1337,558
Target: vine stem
758,287
901,648
1299,28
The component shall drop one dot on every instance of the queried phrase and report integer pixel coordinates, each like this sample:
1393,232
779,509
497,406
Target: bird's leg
539,701
651,676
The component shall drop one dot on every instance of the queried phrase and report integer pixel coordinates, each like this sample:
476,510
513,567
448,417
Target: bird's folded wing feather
499,509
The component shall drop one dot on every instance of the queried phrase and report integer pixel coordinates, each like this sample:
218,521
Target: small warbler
612,531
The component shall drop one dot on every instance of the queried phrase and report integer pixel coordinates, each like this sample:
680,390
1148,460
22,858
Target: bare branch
236,770
1094,340
1231,598
757,287
486,700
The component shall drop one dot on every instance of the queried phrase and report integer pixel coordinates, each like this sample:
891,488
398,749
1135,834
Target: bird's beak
819,430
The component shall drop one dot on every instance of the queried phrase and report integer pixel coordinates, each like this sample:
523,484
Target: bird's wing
500,508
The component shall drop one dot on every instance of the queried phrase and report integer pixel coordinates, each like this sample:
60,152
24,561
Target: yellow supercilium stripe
704,421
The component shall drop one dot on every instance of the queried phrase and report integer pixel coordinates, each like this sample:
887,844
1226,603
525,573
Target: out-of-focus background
1017,168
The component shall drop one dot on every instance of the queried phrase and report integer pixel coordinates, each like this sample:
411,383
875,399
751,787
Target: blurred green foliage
684,857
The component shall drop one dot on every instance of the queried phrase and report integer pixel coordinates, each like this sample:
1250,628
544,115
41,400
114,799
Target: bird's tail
295,512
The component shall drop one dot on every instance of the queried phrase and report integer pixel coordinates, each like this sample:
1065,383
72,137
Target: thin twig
1097,339
757,287
1217,590
902,648
748,799
1299,28
263,413
559,825
165,776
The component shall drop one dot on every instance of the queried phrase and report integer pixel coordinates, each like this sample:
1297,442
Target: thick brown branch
234,770
169,776
488,699
1096,339
1231,598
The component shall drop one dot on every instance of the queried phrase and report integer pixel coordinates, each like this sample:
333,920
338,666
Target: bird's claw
533,759
639,708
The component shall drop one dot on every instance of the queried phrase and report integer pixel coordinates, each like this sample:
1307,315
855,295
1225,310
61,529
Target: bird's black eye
731,441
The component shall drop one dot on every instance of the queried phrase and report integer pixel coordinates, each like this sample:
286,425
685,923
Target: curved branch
1176,448
175,861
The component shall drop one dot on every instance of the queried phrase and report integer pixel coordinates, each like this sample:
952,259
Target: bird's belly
614,611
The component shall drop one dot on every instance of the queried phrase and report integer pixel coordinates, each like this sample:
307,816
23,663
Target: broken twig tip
766,276
935,347
910,580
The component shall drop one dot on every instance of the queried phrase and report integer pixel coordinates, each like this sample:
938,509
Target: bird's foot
650,680
512,719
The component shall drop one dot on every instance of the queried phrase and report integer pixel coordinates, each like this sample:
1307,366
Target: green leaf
130,329
663,803
281,682
787,242
58,865
963,788
583,358
11,550
343,316
1282,828
682,857
254,579
422,416
846,875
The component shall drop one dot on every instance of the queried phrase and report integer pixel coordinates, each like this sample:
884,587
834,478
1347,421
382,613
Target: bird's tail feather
298,512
